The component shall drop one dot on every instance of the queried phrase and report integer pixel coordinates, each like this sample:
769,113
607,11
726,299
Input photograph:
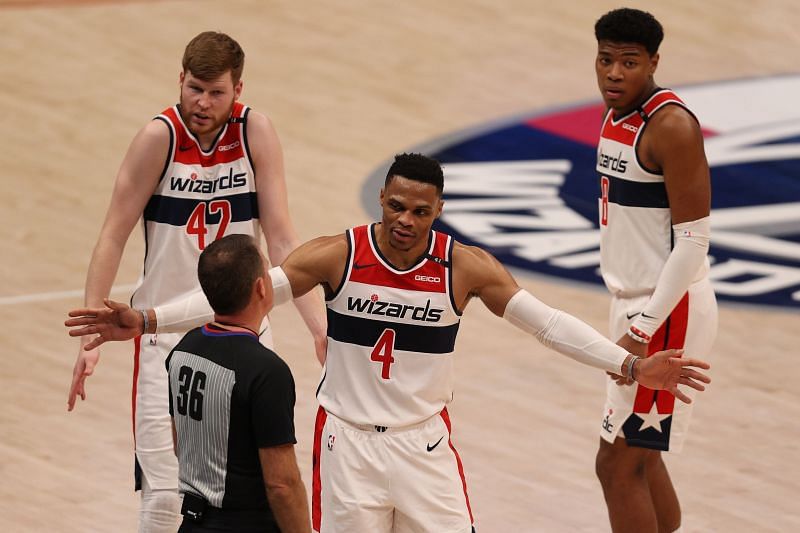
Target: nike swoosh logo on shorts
631,315
430,448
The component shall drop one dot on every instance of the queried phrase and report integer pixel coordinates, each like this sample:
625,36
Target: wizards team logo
526,188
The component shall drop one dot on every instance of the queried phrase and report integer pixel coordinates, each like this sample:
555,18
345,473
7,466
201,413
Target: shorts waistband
370,428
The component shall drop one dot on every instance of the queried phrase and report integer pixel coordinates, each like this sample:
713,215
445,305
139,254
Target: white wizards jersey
391,335
202,196
635,222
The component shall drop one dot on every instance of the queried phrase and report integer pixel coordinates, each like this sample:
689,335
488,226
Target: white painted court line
57,295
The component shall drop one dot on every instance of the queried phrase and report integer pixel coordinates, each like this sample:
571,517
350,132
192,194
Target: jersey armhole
171,150
346,274
641,134
449,270
245,142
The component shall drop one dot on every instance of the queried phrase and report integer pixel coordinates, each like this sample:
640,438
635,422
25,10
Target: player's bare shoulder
257,119
265,147
674,120
469,255
321,260
145,159
477,273
329,247
259,127
672,133
154,136
474,266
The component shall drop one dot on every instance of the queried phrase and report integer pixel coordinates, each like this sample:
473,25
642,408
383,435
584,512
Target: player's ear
654,63
181,78
439,208
237,89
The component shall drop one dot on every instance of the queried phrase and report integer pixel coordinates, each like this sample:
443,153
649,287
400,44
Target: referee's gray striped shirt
203,443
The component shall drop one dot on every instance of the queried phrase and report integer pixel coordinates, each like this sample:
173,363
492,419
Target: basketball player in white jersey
206,167
654,221
383,457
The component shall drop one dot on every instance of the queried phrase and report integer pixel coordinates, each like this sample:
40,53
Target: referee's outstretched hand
114,322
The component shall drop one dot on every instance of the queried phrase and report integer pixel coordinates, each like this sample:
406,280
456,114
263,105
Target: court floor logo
526,188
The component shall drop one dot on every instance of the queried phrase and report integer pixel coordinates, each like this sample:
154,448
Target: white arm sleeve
194,310
183,315
687,257
280,286
564,333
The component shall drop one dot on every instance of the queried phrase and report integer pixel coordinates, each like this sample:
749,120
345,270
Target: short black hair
626,25
417,167
227,269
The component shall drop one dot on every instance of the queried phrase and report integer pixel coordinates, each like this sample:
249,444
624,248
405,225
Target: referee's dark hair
227,269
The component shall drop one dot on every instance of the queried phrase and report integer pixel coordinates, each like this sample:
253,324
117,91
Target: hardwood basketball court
348,84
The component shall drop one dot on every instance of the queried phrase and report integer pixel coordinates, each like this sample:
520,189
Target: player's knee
603,468
615,461
654,462
159,511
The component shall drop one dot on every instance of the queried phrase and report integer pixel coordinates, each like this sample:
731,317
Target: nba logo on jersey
331,439
527,189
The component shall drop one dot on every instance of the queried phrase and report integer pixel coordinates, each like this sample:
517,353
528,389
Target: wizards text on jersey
375,306
220,183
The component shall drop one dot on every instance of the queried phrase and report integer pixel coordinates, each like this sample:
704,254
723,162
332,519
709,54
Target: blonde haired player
204,168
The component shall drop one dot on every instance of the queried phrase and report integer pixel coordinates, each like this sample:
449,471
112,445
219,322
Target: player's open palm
115,322
667,369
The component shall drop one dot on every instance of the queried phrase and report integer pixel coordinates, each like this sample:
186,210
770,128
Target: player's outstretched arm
487,278
319,261
136,180
308,267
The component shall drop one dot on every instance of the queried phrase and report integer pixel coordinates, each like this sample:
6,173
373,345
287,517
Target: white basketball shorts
381,480
655,419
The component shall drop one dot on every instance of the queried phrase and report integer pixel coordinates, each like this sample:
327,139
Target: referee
232,406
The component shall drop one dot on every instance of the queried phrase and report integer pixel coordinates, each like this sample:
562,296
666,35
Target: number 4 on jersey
196,225
382,352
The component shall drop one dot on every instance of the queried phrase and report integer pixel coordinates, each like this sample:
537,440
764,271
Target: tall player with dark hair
383,457
204,168
654,221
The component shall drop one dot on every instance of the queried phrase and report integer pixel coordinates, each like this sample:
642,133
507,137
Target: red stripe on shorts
316,486
446,417
671,334
137,348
